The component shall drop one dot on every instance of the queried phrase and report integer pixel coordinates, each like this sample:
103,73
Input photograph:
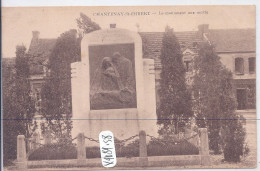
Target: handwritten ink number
106,150
107,139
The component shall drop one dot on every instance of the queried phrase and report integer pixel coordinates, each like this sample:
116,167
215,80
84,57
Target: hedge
54,152
69,151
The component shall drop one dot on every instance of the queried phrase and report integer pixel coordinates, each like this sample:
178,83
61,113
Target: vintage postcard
151,87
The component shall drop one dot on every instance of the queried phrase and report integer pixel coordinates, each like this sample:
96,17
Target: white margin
23,3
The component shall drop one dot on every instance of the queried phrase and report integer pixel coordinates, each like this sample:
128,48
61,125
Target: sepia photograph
129,87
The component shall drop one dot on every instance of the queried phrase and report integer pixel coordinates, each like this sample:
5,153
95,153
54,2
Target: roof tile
39,52
153,41
233,40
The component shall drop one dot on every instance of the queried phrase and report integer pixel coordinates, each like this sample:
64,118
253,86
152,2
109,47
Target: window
251,63
241,99
187,65
195,44
239,66
37,96
182,44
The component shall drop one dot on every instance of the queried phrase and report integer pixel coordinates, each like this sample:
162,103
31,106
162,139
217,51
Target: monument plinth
113,87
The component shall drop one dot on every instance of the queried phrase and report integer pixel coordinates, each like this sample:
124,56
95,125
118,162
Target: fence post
204,147
143,159
21,153
81,151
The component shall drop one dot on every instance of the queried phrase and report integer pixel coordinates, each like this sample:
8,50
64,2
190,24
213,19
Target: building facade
237,51
236,48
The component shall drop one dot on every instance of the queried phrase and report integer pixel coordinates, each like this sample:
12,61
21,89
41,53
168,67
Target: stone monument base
124,123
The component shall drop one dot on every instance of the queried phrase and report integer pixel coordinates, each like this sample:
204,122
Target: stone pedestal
123,121
143,159
21,153
204,147
81,151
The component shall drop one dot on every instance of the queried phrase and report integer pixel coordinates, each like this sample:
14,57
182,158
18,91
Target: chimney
113,25
203,28
35,35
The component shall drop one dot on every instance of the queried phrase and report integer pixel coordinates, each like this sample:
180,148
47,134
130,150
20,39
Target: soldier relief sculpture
113,85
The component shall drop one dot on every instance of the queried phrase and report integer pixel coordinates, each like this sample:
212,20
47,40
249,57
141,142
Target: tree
175,103
207,88
56,91
25,103
86,24
234,138
11,127
233,133
214,98
18,105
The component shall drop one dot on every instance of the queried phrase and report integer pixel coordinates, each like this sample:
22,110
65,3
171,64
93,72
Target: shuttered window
251,63
239,66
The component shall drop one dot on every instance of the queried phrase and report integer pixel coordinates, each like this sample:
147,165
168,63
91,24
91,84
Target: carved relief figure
113,85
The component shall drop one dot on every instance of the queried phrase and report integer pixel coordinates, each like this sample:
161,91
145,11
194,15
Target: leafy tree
234,138
25,103
11,127
175,104
207,88
56,91
18,105
86,24
214,97
233,133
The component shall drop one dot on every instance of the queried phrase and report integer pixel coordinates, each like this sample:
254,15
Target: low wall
142,161
153,161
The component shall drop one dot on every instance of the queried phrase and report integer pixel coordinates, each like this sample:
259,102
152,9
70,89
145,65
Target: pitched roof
7,68
8,62
233,40
153,42
224,40
39,52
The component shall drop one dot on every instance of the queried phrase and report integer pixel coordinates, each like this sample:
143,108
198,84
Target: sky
19,22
